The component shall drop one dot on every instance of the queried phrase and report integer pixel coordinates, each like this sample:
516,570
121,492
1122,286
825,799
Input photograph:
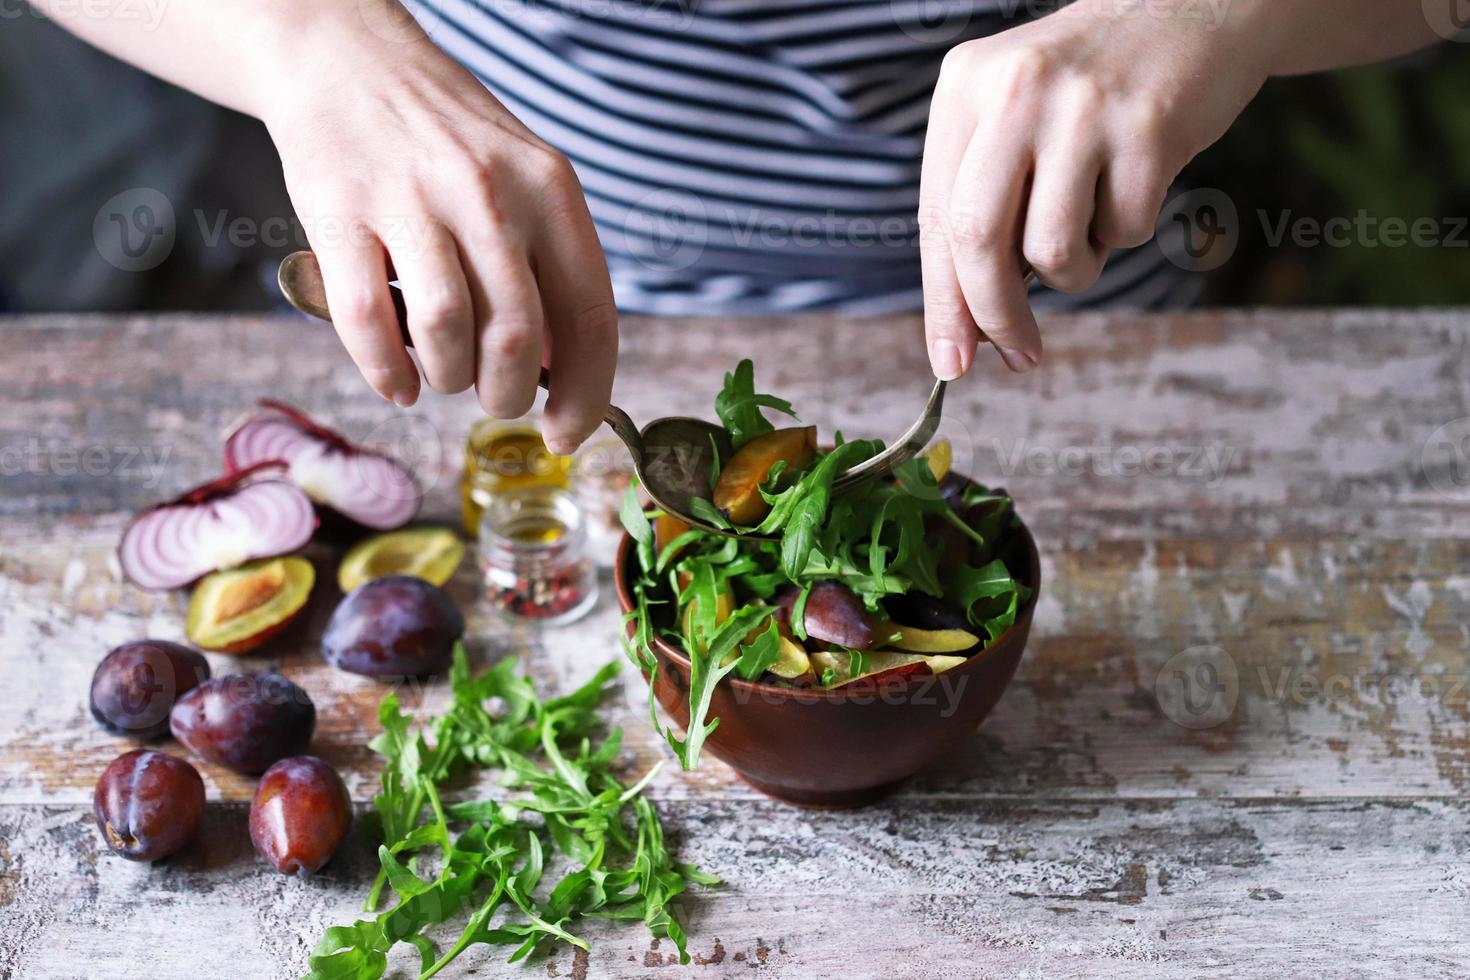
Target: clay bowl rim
831,695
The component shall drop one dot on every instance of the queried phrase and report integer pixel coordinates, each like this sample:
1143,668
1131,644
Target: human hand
1054,143
402,165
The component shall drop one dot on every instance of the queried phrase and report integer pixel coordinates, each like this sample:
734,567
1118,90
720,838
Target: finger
949,330
1130,196
356,276
1057,237
440,312
509,324
581,328
985,214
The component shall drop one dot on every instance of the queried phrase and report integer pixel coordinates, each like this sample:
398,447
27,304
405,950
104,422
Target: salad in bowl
843,641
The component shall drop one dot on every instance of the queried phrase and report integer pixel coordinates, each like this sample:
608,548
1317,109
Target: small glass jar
533,549
502,457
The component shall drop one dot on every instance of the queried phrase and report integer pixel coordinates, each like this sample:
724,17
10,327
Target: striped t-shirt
749,156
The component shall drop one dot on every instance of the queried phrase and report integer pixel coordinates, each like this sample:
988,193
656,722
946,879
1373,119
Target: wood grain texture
1240,738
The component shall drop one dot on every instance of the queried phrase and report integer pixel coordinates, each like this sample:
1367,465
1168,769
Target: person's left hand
1054,143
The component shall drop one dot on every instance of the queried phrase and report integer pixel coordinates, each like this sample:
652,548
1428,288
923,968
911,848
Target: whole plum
393,627
300,815
136,684
148,804
244,722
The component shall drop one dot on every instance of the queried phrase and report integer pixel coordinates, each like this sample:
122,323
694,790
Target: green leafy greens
878,539
490,867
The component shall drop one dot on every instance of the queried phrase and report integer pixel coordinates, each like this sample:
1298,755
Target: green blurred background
1392,140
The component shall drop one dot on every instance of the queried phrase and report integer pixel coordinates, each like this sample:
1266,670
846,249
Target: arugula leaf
739,406
708,665
497,862
881,539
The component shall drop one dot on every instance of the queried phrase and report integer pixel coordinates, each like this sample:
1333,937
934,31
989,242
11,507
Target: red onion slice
369,488
219,525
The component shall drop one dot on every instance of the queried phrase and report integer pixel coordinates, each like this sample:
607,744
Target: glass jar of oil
503,457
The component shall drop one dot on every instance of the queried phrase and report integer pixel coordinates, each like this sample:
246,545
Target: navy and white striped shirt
749,156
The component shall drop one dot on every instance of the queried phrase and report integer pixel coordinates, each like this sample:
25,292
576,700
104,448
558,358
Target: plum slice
218,525
737,492
429,553
366,487
237,610
833,613
914,640
881,667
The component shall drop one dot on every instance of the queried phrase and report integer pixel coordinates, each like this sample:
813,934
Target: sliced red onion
369,488
218,525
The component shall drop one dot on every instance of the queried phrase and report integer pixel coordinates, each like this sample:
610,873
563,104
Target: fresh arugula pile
491,864
877,539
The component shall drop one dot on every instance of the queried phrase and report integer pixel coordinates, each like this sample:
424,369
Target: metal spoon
673,457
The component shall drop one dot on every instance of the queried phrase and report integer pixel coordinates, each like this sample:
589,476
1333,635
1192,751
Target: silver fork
911,443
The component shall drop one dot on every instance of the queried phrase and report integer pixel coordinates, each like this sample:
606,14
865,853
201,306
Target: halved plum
238,610
429,553
737,491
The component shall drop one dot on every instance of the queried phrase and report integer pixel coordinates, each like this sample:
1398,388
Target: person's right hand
402,165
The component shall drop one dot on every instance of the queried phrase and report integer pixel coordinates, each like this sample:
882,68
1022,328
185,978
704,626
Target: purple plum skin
136,685
244,722
148,805
300,815
833,613
397,626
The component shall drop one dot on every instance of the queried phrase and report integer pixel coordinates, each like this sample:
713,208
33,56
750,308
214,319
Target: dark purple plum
148,804
397,626
244,722
926,613
833,613
136,684
300,815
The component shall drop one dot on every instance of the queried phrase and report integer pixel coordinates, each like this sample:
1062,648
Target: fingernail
1017,360
560,447
945,358
403,399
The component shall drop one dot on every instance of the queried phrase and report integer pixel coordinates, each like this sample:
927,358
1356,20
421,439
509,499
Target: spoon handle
300,278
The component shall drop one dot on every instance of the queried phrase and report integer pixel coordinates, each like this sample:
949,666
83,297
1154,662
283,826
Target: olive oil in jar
503,457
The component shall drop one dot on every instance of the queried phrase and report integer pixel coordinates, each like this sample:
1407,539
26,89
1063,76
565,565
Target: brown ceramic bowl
834,748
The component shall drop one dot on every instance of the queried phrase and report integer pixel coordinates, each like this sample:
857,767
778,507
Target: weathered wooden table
1239,740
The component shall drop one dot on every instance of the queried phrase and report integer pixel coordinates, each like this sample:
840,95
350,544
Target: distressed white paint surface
1289,521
